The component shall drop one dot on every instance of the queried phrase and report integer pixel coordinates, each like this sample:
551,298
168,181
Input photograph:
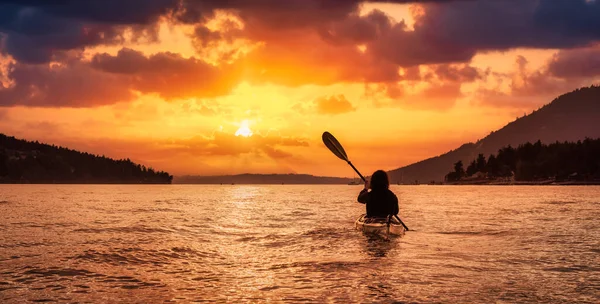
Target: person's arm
395,205
363,196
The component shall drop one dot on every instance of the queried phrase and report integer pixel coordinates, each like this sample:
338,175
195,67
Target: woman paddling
380,201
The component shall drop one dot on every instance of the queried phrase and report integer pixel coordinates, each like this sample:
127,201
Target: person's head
380,180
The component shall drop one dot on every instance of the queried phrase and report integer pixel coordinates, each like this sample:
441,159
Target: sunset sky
169,83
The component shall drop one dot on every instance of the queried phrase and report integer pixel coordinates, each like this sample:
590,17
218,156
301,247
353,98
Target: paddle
337,149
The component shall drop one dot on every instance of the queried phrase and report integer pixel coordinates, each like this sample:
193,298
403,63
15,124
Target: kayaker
380,201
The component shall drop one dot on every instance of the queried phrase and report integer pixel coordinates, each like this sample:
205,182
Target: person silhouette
380,201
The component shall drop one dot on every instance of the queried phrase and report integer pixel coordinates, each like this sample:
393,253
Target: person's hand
366,183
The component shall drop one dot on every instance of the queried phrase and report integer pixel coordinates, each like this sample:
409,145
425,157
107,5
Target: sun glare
244,129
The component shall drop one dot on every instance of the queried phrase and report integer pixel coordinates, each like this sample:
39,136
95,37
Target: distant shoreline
72,183
526,183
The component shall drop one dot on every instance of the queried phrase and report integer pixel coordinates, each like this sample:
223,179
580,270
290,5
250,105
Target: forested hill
556,162
24,161
570,117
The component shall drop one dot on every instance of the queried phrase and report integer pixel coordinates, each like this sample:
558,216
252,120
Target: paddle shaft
356,170
401,222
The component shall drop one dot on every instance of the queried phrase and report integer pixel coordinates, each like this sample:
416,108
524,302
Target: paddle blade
334,146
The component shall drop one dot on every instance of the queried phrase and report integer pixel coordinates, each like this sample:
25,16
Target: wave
560,203
327,233
124,229
482,233
330,266
69,278
139,256
151,210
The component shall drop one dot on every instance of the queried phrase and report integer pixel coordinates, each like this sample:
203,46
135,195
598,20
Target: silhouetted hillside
261,179
23,161
570,117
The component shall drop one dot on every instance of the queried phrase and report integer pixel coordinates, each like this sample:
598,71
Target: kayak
379,225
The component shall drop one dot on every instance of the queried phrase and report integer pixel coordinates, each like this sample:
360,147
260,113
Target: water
154,244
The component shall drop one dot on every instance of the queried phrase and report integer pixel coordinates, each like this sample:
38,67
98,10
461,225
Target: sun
244,129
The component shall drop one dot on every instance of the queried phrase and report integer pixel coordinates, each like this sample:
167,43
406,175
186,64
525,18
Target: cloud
110,79
524,88
325,105
446,31
225,144
38,31
532,83
453,73
334,105
437,96
204,108
502,25
276,153
75,84
576,63
433,87
295,43
169,74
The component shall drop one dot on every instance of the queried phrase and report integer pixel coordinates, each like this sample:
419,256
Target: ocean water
284,244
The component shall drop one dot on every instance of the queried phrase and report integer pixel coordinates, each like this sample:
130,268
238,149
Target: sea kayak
379,225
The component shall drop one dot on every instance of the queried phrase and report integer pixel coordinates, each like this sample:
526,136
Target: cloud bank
298,42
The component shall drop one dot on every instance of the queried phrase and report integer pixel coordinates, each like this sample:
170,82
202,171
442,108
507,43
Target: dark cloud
445,33
527,82
576,63
109,79
34,35
434,87
456,32
99,11
169,74
324,50
72,85
577,21
301,42
464,73
501,25
525,88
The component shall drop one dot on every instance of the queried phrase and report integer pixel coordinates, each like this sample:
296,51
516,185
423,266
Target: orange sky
192,93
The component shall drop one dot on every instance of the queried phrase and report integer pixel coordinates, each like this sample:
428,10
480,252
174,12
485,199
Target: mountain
570,117
24,161
300,179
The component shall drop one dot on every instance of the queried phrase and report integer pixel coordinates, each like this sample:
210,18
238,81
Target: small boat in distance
355,181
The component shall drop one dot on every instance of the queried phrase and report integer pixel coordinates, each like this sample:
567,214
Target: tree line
24,161
560,161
